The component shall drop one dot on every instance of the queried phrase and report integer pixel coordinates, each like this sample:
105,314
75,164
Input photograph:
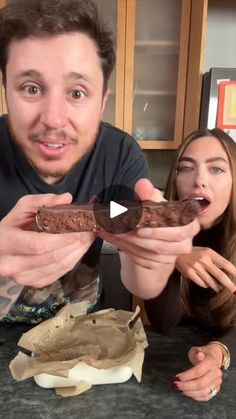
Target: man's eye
31,90
77,94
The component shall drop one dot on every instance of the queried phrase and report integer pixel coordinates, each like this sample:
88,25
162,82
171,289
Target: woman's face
204,174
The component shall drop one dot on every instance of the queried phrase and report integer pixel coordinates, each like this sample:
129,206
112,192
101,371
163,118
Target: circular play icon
117,210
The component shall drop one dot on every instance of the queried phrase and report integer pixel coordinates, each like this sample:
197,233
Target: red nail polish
174,386
176,378
234,292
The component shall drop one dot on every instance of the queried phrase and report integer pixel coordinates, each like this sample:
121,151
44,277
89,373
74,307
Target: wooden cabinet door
155,71
196,50
156,84
113,12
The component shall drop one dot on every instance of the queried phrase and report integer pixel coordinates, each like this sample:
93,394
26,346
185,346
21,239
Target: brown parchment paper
104,339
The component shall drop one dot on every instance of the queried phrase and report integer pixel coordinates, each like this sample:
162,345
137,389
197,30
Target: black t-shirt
116,159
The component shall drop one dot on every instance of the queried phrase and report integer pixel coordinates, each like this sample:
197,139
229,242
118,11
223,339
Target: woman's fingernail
176,378
175,386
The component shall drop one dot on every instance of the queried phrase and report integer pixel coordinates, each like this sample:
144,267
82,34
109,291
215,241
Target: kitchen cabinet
156,91
156,66
149,86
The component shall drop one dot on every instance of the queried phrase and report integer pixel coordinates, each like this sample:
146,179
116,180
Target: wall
221,34
159,162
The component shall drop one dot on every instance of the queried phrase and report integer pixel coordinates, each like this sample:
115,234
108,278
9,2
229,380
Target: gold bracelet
226,354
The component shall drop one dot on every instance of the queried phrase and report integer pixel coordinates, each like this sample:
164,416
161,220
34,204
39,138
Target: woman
201,290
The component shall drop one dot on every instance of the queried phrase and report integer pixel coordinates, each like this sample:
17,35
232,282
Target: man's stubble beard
56,174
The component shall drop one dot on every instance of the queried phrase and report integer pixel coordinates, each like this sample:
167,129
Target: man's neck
51,180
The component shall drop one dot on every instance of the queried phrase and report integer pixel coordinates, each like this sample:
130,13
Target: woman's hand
205,376
207,268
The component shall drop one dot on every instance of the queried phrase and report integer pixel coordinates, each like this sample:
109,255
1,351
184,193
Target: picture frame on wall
210,94
226,114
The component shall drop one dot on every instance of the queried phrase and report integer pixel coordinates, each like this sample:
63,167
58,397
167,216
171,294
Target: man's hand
205,376
207,268
150,247
38,259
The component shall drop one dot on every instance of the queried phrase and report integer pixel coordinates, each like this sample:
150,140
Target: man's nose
53,112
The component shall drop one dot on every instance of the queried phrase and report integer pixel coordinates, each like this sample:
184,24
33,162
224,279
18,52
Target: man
56,59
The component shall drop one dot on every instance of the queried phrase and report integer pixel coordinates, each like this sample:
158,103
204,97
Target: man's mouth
52,149
53,145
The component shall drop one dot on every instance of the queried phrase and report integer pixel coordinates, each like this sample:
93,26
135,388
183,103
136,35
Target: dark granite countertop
152,398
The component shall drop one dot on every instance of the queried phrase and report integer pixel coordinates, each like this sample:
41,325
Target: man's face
54,94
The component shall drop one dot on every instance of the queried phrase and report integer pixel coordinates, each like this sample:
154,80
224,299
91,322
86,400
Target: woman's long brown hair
223,304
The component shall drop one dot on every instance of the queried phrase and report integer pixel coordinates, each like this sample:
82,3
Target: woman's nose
200,179
53,112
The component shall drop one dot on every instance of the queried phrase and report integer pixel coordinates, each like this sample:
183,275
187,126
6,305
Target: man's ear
104,99
4,90
3,78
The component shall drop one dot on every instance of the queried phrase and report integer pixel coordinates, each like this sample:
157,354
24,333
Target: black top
165,311
116,159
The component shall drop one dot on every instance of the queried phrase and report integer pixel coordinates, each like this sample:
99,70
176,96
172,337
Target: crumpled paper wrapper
104,339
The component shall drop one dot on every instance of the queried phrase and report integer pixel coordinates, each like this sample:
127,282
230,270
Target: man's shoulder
116,142
108,130
107,127
3,131
3,121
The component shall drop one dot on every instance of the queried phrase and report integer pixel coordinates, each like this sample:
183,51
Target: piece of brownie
89,217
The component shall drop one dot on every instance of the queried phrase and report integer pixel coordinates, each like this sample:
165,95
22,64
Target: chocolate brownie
83,217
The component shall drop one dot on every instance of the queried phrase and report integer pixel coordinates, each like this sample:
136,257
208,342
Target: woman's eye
185,169
216,170
77,94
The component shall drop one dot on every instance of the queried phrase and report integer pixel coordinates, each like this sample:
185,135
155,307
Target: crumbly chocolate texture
83,217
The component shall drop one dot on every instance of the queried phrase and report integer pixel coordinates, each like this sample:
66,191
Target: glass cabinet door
155,110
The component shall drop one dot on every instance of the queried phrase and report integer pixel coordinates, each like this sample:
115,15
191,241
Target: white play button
116,209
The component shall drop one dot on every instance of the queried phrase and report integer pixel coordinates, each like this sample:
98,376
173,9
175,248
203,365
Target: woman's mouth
203,203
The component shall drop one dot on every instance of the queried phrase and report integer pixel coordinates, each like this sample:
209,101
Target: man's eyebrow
79,76
75,75
210,160
72,75
29,73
